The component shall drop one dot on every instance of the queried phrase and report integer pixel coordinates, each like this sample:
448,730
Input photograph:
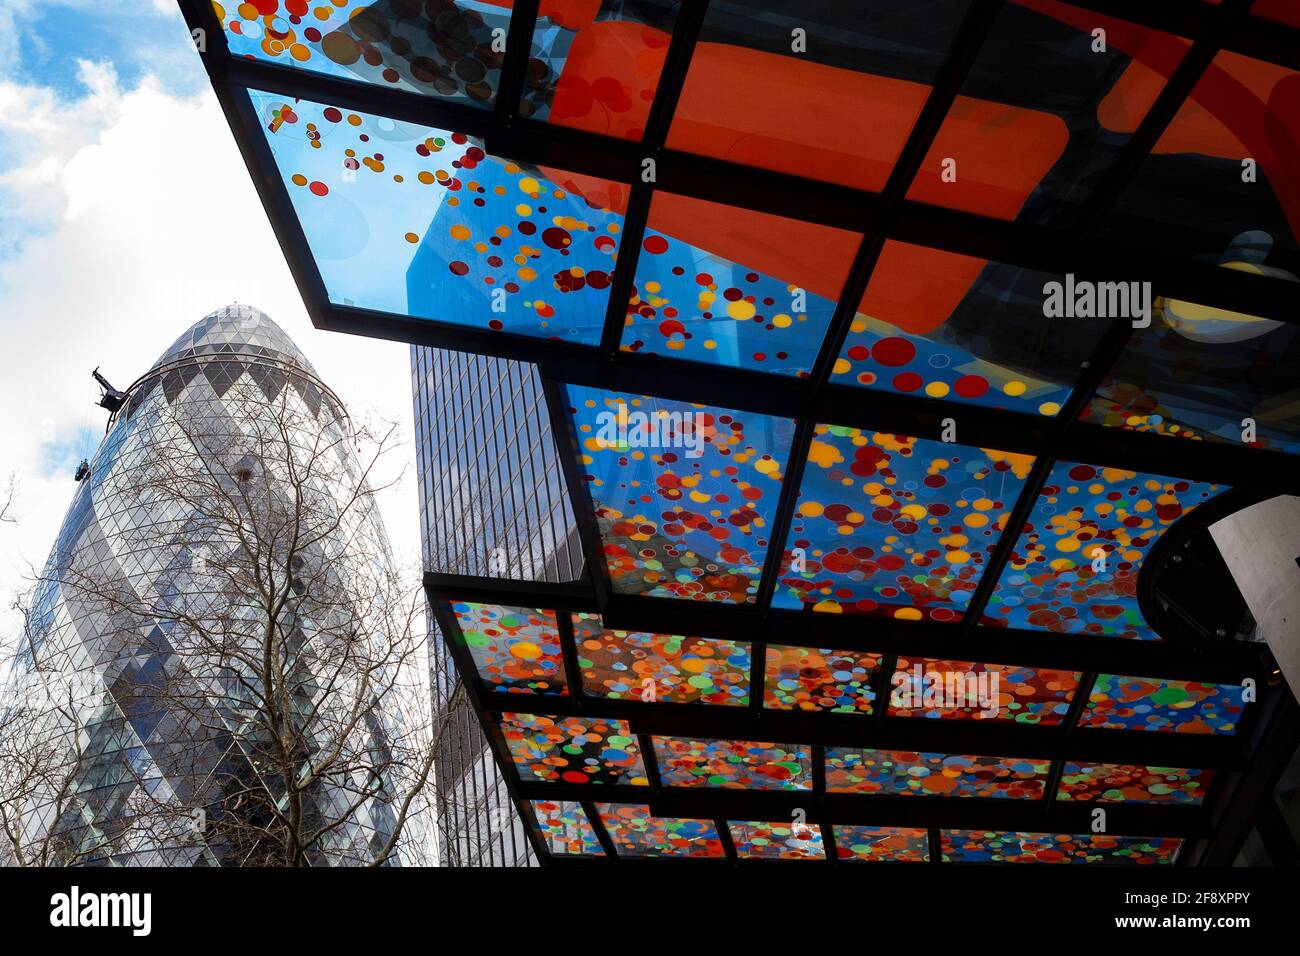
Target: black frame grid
875,217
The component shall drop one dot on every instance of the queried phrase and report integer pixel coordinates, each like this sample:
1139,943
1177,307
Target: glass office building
139,674
492,501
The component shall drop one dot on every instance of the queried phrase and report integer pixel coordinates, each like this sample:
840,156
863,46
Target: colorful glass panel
684,494
565,827
733,764
967,690
573,749
881,844
948,326
1125,783
819,679
1075,567
634,665
899,772
418,221
893,526
636,833
982,846
730,286
777,841
515,649
1168,706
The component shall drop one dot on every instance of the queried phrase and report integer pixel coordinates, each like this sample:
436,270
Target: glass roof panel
1198,372
881,844
981,846
1075,568
730,286
1222,184
1164,706
828,90
892,526
1124,783
635,665
777,841
422,222
443,48
565,827
819,679
684,494
965,330
573,749
515,649
1063,102
596,65
733,764
966,690
636,833
908,773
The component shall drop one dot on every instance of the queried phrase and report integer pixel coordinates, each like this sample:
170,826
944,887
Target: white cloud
138,218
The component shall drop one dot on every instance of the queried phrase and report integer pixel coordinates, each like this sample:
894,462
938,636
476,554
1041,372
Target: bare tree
283,656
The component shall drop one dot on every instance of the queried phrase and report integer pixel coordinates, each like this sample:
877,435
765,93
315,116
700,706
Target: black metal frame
814,399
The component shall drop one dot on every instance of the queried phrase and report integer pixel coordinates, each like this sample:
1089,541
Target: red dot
655,245
859,352
458,268
971,386
894,351
907,381
318,188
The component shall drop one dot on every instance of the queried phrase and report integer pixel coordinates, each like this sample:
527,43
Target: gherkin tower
141,662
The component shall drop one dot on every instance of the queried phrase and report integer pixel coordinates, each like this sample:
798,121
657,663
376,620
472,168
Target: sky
126,215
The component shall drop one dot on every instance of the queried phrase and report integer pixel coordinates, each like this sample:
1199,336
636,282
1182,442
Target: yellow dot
907,614
784,321
425,177
937,389
530,186
1014,388
975,520
523,209
842,366
740,310
412,237
1049,408
460,232
710,344
526,650
810,509
299,179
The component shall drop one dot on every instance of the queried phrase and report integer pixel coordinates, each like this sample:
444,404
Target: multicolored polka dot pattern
1025,695
634,665
573,749
684,494
445,51
691,304
1075,568
982,846
819,679
898,343
636,833
419,221
565,827
908,773
1124,783
894,526
881,844
732,764
776,841
515,649
1168,706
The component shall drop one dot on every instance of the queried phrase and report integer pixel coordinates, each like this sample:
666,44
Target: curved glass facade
161,739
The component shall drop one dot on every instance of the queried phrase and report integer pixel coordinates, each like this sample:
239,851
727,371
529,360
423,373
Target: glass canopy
876,441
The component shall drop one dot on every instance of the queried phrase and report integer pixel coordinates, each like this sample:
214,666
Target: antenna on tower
111,398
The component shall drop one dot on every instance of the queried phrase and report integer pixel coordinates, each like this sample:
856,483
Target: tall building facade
139,673
492,502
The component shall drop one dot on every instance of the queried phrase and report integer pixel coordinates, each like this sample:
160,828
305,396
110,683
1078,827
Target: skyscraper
224,516
492,501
